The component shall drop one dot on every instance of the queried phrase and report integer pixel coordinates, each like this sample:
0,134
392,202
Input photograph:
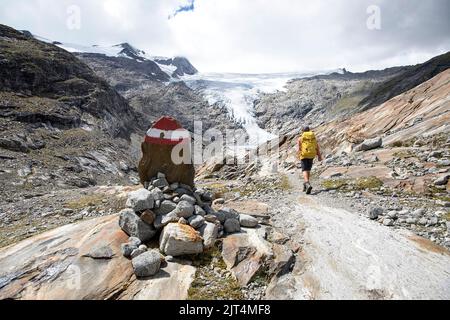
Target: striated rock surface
56,265
245,254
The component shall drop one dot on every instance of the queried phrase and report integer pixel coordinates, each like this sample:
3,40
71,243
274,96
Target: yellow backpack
309,146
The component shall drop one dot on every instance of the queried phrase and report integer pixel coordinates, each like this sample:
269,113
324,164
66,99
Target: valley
72,120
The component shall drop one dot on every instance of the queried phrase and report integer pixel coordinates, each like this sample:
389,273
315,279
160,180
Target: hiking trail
347,256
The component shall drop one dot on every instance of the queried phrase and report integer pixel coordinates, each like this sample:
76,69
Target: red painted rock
163,140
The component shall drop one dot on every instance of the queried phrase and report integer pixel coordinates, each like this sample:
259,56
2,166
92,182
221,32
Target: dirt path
347,256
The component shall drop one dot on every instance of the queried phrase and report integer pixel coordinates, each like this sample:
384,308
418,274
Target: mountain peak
131,52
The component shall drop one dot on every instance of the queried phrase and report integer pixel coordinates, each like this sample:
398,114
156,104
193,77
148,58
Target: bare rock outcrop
60,264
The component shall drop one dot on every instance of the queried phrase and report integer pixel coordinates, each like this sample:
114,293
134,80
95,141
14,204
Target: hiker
308,149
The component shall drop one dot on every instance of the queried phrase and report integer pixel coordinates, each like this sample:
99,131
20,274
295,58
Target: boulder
178,239
392,214
220,215
174,186
207,195
184,209
245,253
163,220
182,221
198,198
182,191
147,264
283,257
132,225
411,220
134,241
433,221
218,201
188,198
157,153
247,221
196,221
166,207
442,180
229,213
137,252
148,216
209,232
375,212
211,218
160,183
370,144
127,249
419,213
157,194
423,221
199,211
54,265
160,175
140,200
232,225
50,266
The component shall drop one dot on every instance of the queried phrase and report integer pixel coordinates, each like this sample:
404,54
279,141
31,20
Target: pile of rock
182,216
431,224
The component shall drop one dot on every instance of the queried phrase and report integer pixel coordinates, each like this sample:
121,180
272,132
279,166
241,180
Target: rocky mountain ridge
62,125
320,99
152,93
173,67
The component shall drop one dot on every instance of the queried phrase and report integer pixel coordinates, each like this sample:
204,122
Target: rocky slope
321,99
62,126
148,90
392,156
305,248
376,226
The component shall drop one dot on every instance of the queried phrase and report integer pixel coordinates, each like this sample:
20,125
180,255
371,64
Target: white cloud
251,35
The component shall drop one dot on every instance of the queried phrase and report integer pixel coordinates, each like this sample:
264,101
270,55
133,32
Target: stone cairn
183,218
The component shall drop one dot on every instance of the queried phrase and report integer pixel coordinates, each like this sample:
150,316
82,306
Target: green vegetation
348,103
86,201
363,183
262,277
403,154
221,288
284,183
368,183
221,190
334,184
397,144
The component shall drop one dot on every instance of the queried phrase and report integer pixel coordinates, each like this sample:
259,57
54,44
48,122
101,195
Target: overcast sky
250,35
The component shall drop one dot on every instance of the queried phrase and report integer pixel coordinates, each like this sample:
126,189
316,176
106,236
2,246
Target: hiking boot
304,187
308,188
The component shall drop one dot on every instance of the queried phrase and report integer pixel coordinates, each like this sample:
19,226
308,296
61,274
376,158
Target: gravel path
346,256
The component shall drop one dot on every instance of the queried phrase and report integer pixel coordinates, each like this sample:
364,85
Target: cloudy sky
249,35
